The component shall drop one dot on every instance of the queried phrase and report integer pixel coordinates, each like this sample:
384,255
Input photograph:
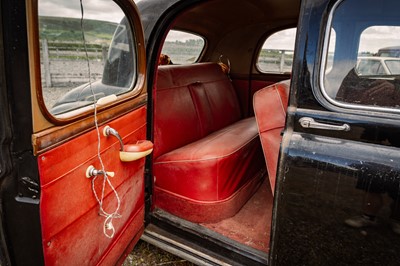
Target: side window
393,66
276,55
83,59
362,65
181,48
370,66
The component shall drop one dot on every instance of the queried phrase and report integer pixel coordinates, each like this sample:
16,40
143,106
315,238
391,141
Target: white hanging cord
108,227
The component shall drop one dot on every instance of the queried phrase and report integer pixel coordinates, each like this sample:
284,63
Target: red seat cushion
207,162
270,104
214,167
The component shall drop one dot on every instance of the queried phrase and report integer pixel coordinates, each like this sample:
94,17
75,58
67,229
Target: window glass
331,51
276,55
83,62
393,66
182,47
370,66
362,67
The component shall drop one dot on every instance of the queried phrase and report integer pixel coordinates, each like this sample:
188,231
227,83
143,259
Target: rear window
276,55
361,66
182,47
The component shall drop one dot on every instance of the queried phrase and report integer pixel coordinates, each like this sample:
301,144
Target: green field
69,29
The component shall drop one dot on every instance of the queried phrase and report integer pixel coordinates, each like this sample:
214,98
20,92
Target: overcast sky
283,40
372,39
93,9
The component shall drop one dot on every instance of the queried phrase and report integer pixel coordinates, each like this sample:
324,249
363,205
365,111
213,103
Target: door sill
198,244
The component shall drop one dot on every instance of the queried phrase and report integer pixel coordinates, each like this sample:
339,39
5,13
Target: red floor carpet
252,225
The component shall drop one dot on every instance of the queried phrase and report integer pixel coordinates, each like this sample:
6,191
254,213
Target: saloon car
378,66
226,132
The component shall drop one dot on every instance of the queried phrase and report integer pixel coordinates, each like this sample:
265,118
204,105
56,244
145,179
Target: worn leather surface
213,167
72,229
270,104
204,151
191,102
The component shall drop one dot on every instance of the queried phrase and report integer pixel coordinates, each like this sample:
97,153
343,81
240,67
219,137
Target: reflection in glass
84,62
364,69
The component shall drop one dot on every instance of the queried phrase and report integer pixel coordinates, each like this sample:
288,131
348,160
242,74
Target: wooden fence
66,64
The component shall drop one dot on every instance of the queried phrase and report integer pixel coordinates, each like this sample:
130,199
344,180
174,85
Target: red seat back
270,104
191,102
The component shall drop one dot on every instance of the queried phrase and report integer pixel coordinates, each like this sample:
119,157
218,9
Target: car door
338,182
79,142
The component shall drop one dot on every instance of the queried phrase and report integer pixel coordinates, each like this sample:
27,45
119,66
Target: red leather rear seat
270,104
207,160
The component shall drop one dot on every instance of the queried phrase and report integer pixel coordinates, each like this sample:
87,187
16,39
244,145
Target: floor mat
252,224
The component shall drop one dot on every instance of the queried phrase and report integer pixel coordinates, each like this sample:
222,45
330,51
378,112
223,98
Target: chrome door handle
308,122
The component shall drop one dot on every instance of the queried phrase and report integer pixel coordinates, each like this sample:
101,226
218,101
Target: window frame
42,117
187,32
256,64
322,69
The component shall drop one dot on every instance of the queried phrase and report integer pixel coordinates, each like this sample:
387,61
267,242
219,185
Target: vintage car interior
227,132
137,134
208,162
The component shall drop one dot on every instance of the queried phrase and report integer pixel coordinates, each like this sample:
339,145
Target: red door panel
72,228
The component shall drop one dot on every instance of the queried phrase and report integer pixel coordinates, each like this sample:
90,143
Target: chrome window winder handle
107,131
308,122
91,171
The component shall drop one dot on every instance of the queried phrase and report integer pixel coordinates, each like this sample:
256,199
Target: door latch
308,122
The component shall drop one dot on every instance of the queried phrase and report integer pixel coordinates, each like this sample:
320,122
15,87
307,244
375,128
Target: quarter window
182,47
83,59
276,55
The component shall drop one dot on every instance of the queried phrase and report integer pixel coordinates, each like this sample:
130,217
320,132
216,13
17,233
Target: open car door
337,197
81,196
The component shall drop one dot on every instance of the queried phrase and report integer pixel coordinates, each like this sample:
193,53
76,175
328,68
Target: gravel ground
146,254
67,75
